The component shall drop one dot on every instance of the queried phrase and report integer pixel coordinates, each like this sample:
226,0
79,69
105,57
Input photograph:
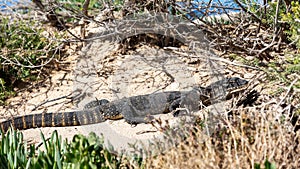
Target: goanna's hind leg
96,103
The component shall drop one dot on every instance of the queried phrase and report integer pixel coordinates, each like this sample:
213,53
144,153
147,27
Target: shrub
292,18
23,51
81,152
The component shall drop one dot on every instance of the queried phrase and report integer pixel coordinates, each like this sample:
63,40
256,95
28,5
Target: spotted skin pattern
135,109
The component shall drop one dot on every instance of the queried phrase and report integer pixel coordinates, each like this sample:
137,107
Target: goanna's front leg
95,103
175,108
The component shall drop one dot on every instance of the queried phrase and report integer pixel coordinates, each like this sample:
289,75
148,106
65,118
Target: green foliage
82,152
267,164
13,152
4,92
89,153
23,49
277,73
286,71
252,5
268,14
52,156
294,60
293,18
269,17
76,6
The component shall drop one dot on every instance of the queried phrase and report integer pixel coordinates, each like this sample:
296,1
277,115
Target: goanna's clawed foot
137,120
182,112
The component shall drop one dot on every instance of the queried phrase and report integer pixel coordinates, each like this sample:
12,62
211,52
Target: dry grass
252,135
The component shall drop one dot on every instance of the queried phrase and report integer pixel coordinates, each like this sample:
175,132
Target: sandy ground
99,71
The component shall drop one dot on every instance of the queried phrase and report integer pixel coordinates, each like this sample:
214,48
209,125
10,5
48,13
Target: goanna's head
229,84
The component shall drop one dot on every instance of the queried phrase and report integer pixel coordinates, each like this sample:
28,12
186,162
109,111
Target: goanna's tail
60,119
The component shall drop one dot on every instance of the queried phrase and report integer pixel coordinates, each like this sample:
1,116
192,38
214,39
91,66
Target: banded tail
60,119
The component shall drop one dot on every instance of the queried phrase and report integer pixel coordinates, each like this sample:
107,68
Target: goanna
135,109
